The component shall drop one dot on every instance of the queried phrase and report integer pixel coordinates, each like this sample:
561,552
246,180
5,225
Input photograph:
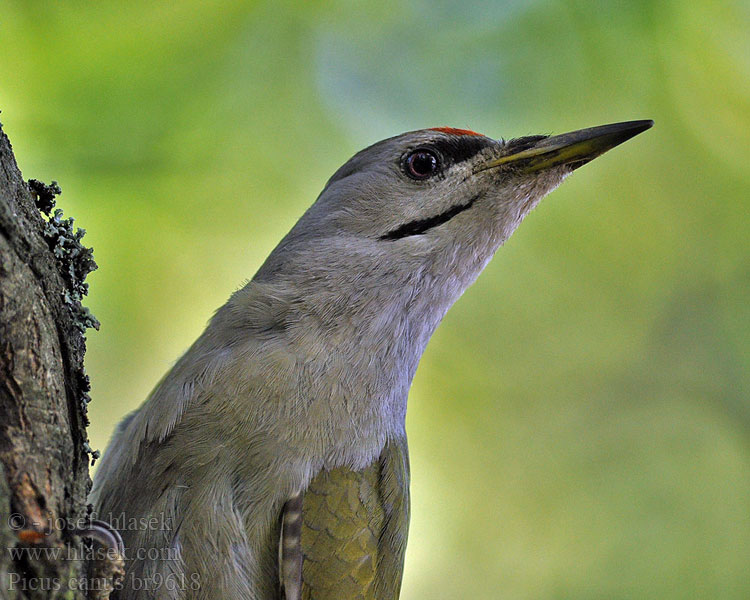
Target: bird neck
346,341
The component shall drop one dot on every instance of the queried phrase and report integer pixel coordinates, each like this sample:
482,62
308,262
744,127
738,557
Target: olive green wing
351,537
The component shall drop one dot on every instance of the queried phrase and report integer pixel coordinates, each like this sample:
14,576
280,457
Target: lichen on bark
44,451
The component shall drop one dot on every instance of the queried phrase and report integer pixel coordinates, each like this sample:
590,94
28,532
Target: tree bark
44,451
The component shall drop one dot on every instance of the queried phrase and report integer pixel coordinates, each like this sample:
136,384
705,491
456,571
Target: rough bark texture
44,452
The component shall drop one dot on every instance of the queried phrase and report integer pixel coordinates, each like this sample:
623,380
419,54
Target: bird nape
271,461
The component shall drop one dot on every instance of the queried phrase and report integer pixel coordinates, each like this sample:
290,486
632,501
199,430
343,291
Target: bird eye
421,164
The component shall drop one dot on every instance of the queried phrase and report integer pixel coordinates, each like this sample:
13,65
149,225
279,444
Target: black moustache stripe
421,225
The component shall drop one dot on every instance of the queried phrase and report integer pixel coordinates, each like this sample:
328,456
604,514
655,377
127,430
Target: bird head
423,212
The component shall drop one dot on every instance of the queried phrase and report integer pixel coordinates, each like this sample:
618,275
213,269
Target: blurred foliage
580,424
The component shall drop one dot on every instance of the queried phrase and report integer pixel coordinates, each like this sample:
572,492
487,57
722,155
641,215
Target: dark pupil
422,164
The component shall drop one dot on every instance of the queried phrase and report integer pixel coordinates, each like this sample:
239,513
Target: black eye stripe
461,148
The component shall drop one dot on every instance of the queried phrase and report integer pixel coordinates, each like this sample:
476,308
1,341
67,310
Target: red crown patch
454,131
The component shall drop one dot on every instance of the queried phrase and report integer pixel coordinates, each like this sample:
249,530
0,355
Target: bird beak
573,149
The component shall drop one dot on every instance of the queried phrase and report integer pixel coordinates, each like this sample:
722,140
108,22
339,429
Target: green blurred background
580,424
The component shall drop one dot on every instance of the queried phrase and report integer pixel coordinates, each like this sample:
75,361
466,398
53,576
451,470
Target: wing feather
354,529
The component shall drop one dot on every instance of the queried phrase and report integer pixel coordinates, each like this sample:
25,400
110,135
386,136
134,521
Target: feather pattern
354,528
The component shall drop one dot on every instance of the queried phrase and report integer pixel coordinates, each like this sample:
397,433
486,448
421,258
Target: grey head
410,222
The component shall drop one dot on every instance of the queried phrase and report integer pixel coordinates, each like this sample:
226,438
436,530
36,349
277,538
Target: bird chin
543,186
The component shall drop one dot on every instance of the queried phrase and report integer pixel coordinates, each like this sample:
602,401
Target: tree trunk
44,451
